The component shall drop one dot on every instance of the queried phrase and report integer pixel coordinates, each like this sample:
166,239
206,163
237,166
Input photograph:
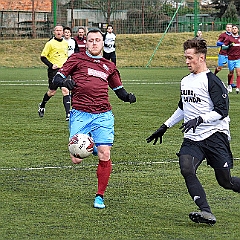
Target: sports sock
197,193
67,103
44,101
238,81
230,79
103,173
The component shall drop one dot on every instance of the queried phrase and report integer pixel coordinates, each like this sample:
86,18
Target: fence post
55,12
195,17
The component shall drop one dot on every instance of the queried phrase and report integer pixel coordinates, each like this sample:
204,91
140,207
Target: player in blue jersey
203,107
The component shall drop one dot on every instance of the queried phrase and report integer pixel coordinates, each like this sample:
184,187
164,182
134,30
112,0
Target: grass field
43,196
133,50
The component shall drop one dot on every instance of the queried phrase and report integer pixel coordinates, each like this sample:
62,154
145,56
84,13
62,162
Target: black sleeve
180,104
76,49
122,94
218,94
45,61
104,36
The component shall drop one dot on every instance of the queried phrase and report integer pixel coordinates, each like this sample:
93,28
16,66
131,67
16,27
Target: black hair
67,28
83,28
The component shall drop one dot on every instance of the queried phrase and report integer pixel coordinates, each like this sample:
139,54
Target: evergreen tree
222,5
231,13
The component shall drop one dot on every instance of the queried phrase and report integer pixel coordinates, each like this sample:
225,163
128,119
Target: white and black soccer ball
81,145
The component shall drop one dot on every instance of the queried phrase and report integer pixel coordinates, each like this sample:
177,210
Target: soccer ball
81,145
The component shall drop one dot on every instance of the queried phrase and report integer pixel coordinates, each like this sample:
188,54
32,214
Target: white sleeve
211,117
175,118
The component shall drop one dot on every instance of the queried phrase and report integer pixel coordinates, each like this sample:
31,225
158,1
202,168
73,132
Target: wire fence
36,18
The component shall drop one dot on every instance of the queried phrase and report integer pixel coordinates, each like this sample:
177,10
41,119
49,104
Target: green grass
43,196
133,50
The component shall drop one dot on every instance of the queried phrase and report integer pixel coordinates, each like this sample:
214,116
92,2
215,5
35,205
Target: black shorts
109,56
216,149
51,74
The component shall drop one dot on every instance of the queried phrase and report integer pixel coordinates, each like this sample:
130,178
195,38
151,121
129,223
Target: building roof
26,5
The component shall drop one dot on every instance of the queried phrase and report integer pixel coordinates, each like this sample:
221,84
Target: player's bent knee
65,91
186,163
51,93
104,152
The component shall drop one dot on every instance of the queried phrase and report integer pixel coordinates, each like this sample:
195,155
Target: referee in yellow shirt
54,55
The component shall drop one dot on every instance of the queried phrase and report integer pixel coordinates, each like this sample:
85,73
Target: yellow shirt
56,52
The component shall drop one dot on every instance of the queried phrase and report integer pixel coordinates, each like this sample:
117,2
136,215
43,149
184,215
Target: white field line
85,165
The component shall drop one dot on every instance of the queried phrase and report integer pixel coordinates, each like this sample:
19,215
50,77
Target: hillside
132,50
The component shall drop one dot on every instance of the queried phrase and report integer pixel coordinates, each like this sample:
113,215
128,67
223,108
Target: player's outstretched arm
157,135
125,96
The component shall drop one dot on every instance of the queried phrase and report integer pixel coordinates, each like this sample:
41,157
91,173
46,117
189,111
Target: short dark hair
67,28
199,44
83,28
94,30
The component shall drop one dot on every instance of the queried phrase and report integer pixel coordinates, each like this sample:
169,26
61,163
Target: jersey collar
91,56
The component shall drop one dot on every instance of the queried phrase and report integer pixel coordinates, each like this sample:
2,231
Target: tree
222,5
231,13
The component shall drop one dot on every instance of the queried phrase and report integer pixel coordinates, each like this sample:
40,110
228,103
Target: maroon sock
230,79
238,81
103,173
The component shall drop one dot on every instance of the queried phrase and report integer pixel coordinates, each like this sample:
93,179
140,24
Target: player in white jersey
109,49
203,107
72,43
72,48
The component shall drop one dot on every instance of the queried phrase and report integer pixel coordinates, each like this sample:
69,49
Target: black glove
131,98
69,84
193,123
158,134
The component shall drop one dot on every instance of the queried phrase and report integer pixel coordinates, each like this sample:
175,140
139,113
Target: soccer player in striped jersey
222,56
81,39
203,107
54,55
92,76
232,44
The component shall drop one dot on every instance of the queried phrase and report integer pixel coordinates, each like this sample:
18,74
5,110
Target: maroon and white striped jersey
233,51
93,77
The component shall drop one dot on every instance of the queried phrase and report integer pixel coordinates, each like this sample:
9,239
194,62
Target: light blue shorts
233,64
222,60
100,126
